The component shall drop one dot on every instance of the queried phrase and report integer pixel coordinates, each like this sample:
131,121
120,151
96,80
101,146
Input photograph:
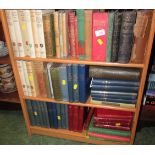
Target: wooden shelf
5,60
10,97
66,134
77,61
87,104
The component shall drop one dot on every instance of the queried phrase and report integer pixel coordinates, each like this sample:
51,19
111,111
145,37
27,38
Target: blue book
63,124
115,100
126,97
114,88
30,112
70,82
63,82
84,81
50,114
97,81
58,115
45,115
66,116
54,112
75,83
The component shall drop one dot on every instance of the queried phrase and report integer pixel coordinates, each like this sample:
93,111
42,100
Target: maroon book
70,117
81,118
100,112
76,37
75,117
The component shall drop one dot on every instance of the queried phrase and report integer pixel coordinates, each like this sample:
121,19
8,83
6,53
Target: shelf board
87,104
66,134
5,60
10,97
77,61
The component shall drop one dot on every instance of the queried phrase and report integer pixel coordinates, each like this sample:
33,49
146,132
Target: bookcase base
70,135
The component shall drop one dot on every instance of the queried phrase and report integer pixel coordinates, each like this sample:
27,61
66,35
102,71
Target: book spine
70,82
35,33
57,33
109,37
45,113
100,29
12,32
80,119
66,116
88,33
75,118
63,122
54,112
50,114
47,35
59,117
18,33
76,37
75,83
70,117
39,22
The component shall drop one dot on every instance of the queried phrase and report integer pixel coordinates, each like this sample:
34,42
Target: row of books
59,81
111,36
114,86
58,116
112,125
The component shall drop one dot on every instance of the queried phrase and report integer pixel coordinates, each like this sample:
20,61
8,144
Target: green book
109,38
55,82
108,131
81,32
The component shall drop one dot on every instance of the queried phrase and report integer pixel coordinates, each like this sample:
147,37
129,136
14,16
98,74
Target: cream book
39,21
12,32
18,33
22,77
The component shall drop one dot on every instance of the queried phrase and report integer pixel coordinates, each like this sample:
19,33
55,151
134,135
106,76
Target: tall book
70,117
18,33
59,116
80,118
76,37
12,32
88,33
75,118
39,21
38,68
50,114
32,78
109,37
100,32
81,33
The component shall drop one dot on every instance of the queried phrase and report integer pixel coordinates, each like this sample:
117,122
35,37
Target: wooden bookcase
66,134
8,97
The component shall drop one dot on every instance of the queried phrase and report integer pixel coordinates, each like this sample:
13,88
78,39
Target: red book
81,118
109,137
70,117
100,32
71,21
75,117
109,113
76,37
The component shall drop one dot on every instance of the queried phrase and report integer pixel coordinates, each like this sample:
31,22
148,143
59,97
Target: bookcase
66,134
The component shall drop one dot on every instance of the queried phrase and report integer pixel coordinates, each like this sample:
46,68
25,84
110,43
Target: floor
13,132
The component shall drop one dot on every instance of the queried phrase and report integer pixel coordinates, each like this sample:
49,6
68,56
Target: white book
22,77
18,33
50,80
39,21
35,33
27,78
12,32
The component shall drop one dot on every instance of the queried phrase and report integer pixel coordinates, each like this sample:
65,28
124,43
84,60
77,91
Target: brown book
88,33
38,68
32,78
141,34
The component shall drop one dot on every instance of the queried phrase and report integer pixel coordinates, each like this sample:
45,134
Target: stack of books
113,125
59,81
58,116
114,86
97,35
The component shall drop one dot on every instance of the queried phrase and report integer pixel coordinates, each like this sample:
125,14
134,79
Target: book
116,35
80,118
41,118
76,37
84,81
141,34
62,112
109,36
150,100
150,92
70,117
39,22
18,33
66,116
12,32
126,36
59,116
88,33
99,38
81,32
114,73
50,114
75,87
38,68
54,112
75,118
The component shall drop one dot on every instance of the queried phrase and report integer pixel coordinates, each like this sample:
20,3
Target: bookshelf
59,133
